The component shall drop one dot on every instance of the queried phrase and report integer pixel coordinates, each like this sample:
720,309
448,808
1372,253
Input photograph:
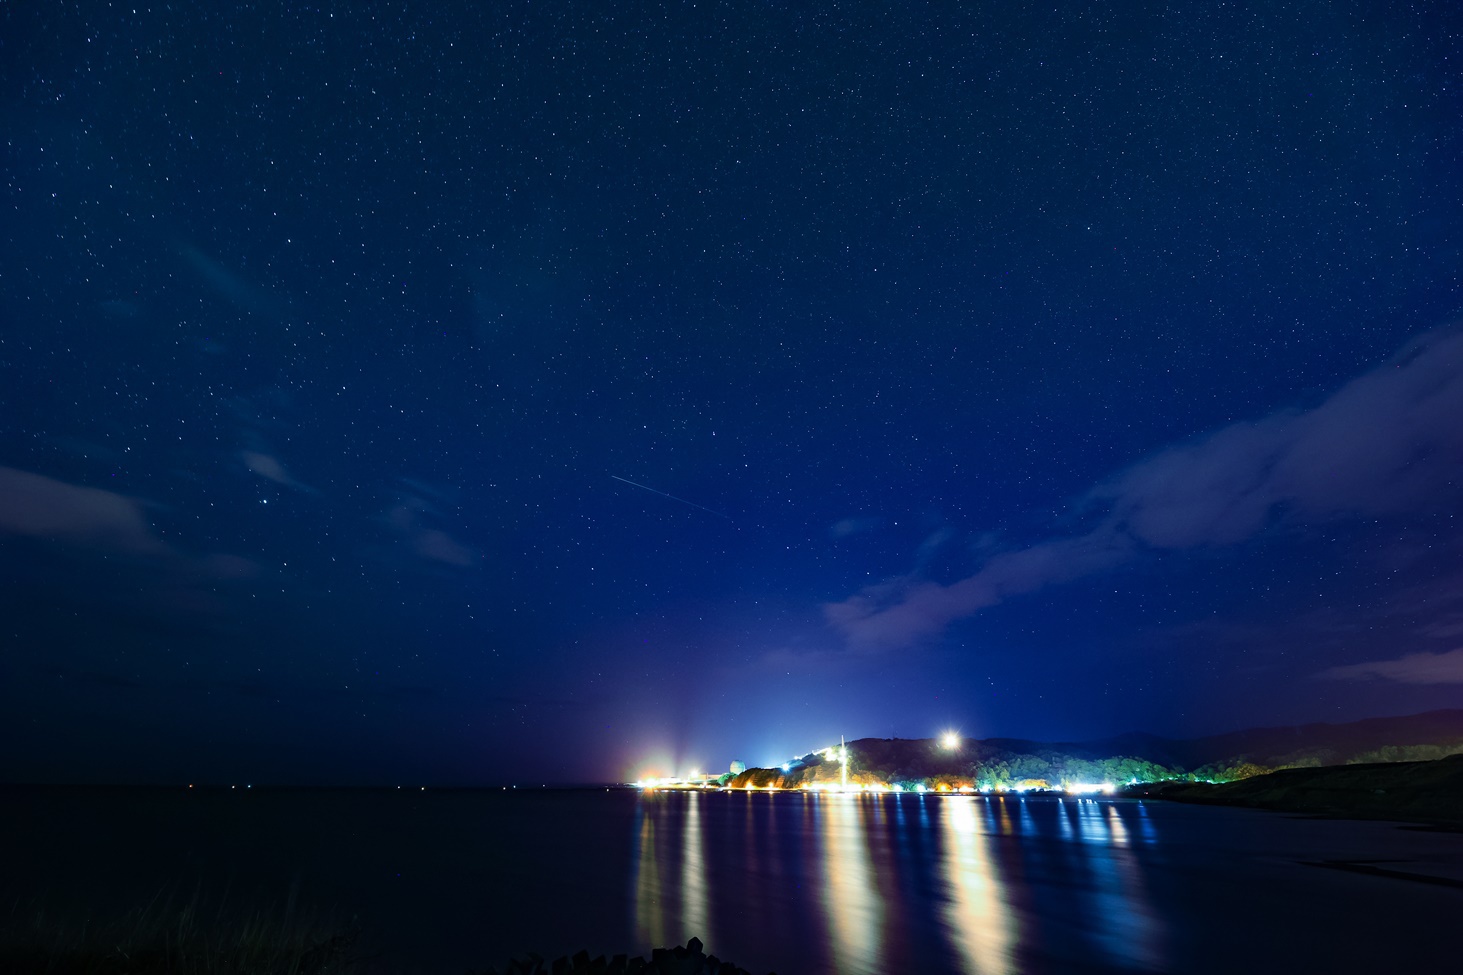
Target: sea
452,881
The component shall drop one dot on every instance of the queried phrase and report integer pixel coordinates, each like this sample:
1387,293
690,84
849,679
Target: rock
525,964
687,959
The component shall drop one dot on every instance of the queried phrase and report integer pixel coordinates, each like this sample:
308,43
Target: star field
395,393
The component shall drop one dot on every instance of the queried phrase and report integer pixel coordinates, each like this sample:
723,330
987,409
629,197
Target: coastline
1429,794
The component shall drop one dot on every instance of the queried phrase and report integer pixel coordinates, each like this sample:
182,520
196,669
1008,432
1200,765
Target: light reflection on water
1132,926
857,884
978,920
854,911
649,916
695,912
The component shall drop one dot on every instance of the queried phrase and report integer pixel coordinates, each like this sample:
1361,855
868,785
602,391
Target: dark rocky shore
1418,792
681,960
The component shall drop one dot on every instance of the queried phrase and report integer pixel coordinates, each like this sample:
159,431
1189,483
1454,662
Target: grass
172,936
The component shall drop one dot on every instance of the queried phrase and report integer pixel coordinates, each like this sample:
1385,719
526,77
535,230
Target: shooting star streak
672,497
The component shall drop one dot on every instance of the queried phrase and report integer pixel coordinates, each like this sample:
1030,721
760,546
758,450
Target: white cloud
1388,441
1414,668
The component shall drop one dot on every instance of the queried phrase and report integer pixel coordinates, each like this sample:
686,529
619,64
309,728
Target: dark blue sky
1047,373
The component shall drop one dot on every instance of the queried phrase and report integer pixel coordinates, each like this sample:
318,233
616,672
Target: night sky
1048,372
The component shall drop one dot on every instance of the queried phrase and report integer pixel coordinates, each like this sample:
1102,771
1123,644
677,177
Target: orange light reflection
854,909
980,923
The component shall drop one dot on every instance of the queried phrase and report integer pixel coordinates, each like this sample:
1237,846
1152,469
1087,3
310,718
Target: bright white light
950,741
1088,788
787,766
919,788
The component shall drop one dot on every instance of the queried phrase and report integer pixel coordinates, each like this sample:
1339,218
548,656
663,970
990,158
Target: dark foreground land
163,940
689,959
1418,792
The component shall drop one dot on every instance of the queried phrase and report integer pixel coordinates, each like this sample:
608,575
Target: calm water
795,883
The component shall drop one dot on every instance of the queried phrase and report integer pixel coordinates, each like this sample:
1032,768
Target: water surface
796,883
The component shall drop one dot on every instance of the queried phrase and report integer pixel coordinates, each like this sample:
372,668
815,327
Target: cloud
107,523
1387,442
266,466
1444,628
232,286
432,543
1414,668
231,567
852,526
271,468
406,519
42,507
906,610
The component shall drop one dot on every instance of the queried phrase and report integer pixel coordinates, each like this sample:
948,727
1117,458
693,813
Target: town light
1088,788
950,741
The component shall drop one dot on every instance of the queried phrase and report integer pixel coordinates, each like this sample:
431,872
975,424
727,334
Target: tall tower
843,760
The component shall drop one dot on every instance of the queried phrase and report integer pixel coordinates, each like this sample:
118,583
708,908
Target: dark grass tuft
169,936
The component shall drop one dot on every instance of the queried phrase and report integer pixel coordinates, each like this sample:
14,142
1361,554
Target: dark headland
1420,792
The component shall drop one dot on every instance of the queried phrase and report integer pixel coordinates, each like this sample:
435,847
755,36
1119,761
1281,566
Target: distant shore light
950,741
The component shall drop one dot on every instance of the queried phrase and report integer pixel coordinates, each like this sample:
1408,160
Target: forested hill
1010,762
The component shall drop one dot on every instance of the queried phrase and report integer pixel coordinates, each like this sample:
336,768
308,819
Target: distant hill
1017,763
